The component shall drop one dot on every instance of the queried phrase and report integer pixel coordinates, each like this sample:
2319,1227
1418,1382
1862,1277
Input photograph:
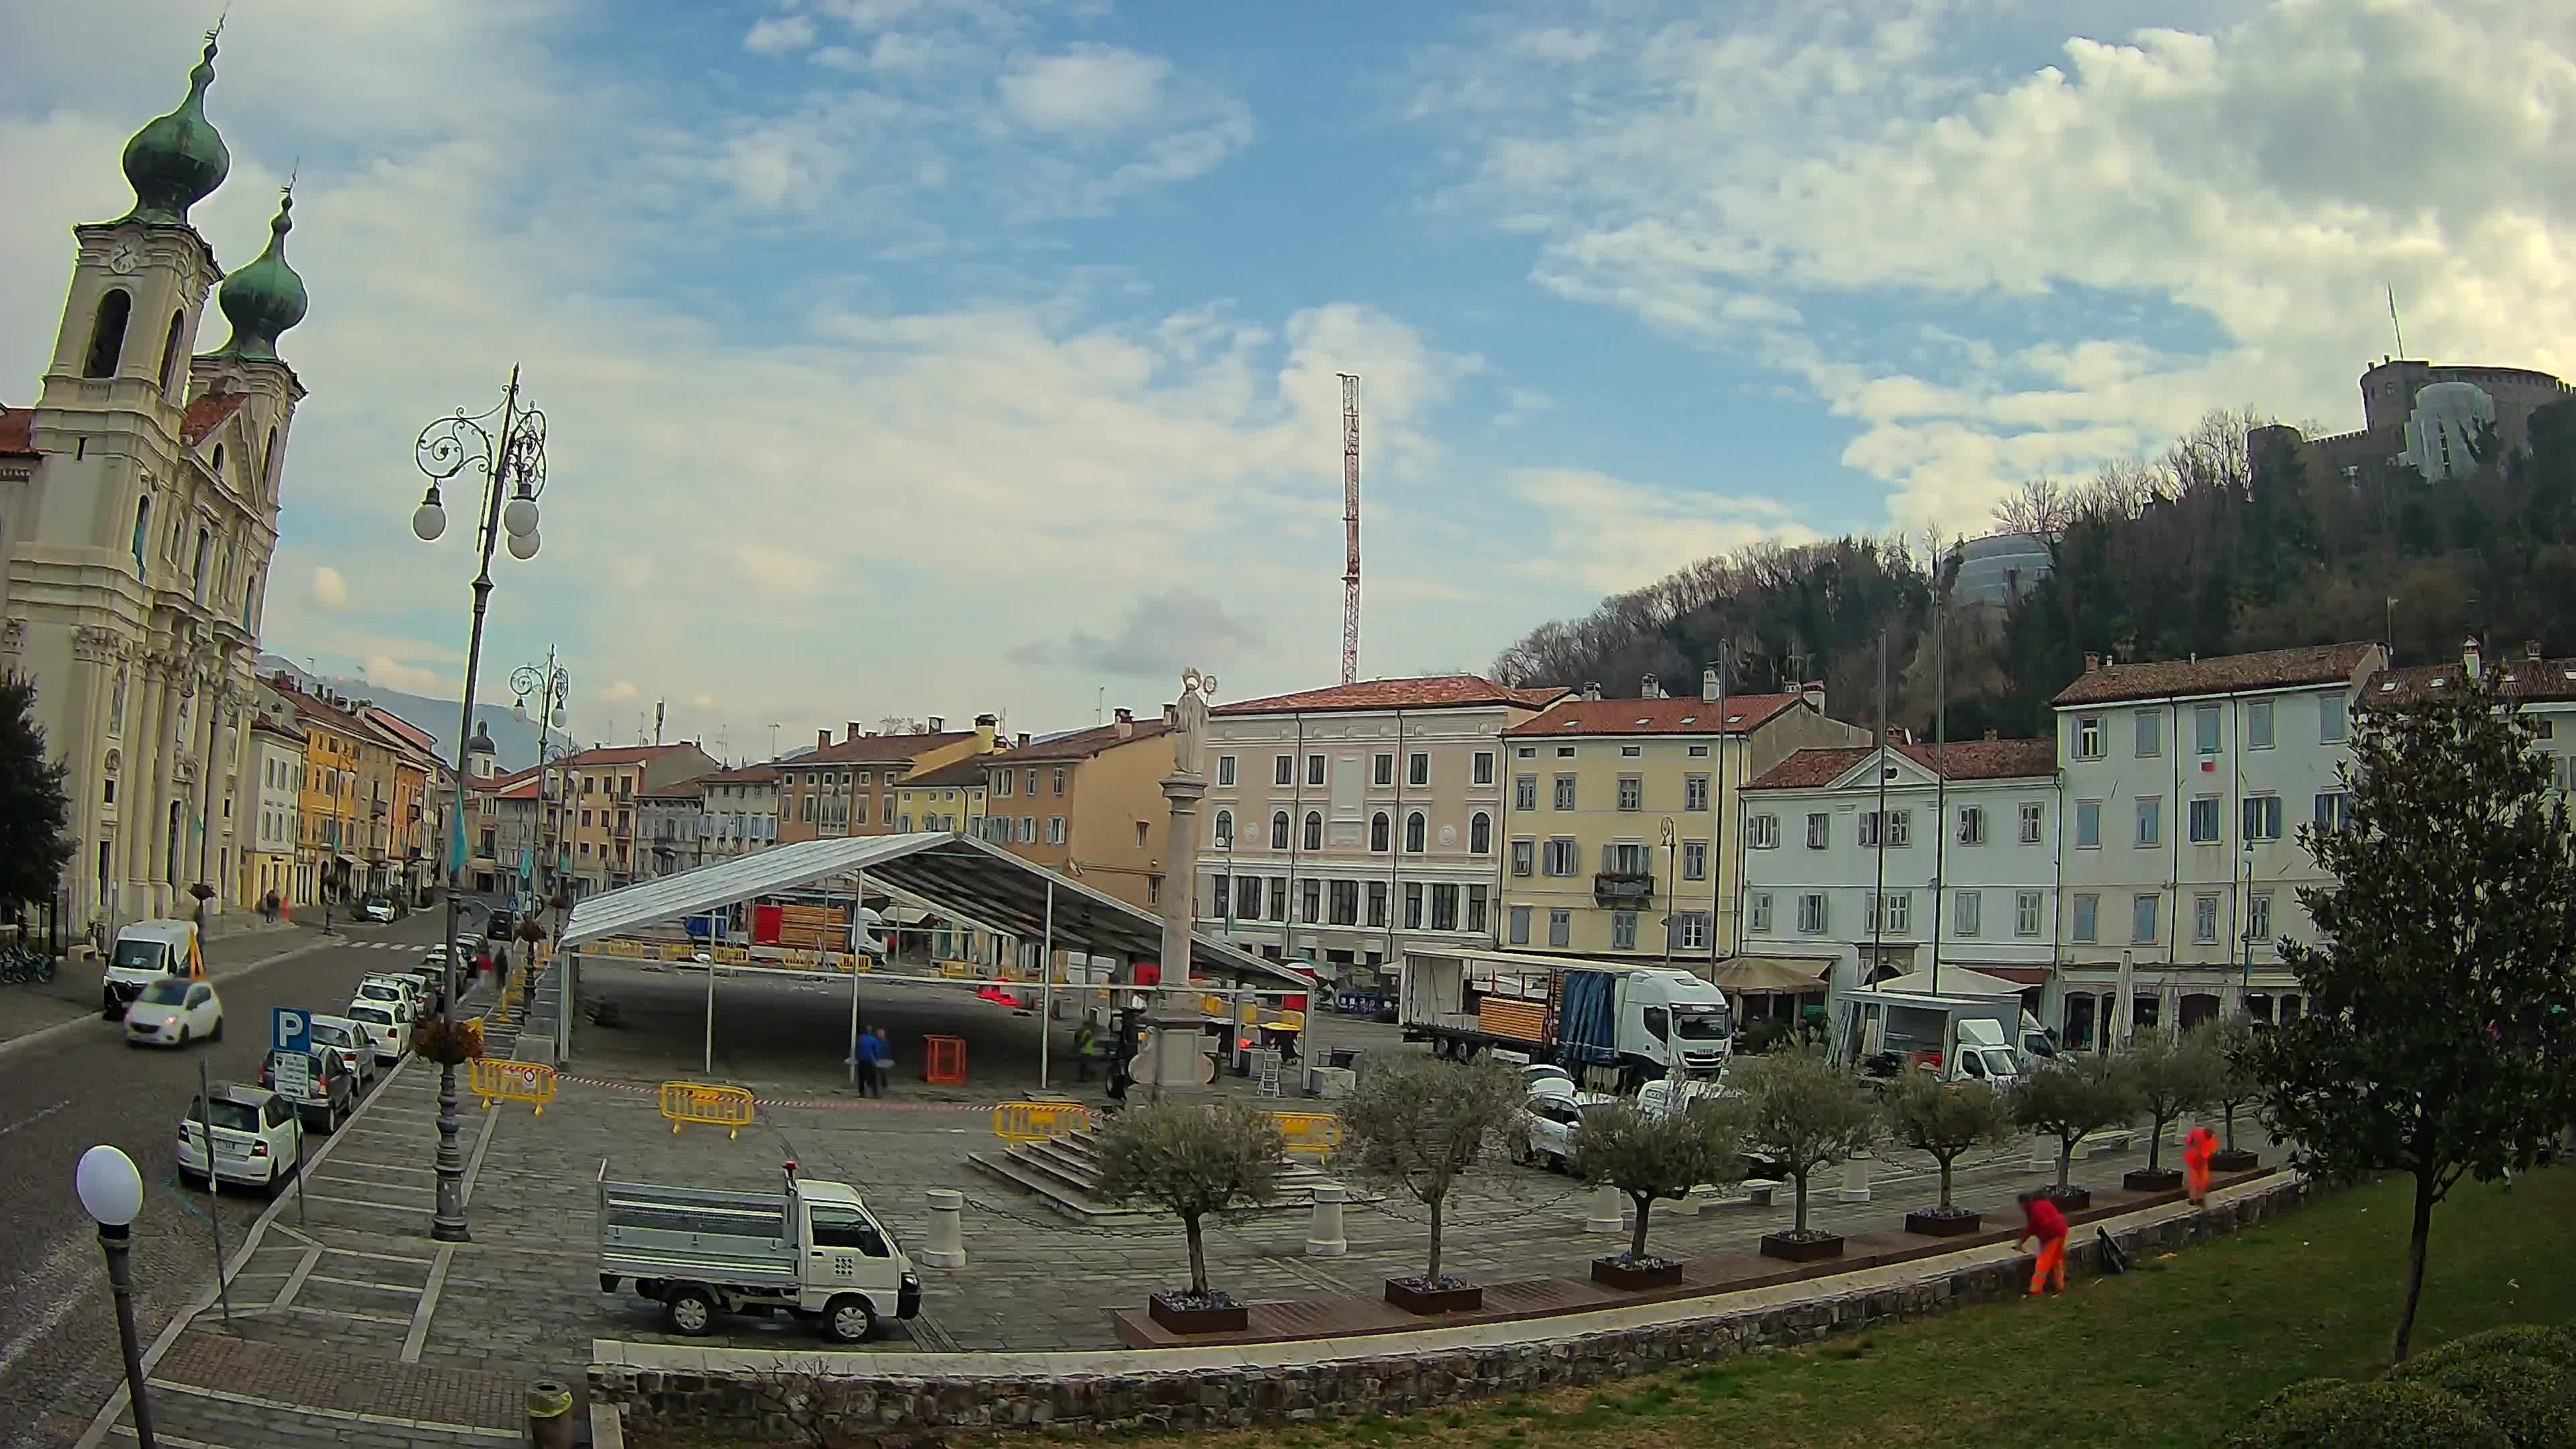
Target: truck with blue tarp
1614,1025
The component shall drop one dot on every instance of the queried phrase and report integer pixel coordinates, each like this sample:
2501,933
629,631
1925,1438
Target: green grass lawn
2168,1354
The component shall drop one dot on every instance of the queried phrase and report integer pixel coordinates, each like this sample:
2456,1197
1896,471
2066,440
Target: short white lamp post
111,1192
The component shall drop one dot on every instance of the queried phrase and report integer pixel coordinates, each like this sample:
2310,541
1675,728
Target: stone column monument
1180,1061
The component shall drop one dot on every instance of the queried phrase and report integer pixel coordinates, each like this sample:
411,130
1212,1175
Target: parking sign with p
290,1029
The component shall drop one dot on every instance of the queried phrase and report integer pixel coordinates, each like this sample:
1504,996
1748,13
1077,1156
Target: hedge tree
1191,1160
2438,1035
2067,1099
1807,1113
1651,1155
35,811
1945,1121
1420,1123
2171,1075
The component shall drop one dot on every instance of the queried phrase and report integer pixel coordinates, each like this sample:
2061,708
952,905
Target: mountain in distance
514,737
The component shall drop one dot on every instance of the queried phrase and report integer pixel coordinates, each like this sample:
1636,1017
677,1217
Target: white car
349,1041
390,1035
174,1012
255,1132
1546,1136
377,908
1535,1073
400,993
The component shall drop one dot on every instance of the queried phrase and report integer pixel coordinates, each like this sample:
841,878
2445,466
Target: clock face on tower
124,257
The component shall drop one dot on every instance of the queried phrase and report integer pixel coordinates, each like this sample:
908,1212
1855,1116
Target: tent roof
1793,975
949,872
1955,981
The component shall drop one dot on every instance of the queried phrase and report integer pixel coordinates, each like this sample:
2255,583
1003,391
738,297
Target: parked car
255,1130
173,1012
399,992
1547,1126
330,1089
377,908
391,1036
349,1041
1534,1073
501,925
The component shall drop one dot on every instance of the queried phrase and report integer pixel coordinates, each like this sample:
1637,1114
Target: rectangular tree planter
1942,1225
1414,1298
1633,1277
2071,1200
1189,1317
2157,1179
1801,1250
2233,1159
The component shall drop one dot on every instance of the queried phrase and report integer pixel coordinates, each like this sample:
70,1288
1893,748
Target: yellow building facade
327,863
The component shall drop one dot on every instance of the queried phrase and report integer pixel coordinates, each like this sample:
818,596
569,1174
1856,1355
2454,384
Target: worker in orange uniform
2196,1150
2042,1220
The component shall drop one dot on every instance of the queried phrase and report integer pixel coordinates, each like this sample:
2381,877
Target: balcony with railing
1623,888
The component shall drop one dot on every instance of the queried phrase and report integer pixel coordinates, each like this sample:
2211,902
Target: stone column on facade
1183,787
145,782
86,724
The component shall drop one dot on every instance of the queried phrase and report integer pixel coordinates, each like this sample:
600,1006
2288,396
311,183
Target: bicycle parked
24,965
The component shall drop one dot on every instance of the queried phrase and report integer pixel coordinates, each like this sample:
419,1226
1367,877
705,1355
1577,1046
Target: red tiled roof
18,432
1439,691
744,775
208,413
1081,744
600,755
874,750
694,787
522,789
2270,669
1957,760
501,783
2515,679
304,703
968,771
1692,716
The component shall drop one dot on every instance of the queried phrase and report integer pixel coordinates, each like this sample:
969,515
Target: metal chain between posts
1448,1219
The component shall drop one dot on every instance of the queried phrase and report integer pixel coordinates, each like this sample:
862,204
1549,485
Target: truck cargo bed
650,1230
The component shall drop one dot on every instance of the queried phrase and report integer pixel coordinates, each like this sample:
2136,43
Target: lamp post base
447,1224
116,1242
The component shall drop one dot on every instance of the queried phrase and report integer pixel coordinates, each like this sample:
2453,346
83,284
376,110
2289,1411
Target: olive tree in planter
1807,1114
2237,1086
2068,1099
1419,1124
2171,1075
1651,1155
1943,1121
1192,1160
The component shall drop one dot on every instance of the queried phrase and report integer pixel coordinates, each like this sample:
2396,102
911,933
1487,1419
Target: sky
911,358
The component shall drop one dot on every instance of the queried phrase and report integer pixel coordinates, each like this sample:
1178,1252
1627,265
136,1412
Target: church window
142,523
170,353
107,334
205,542
219,462
268,460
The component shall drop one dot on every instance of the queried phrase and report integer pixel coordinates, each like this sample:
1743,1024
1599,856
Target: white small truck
813,1251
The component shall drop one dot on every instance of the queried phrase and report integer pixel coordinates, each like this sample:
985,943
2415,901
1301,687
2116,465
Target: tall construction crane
1351,527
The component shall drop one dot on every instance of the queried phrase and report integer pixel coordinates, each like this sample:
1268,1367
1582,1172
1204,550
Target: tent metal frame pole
858,930
711,1019
1046,987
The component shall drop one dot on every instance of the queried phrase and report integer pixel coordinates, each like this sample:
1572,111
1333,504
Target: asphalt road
82,1085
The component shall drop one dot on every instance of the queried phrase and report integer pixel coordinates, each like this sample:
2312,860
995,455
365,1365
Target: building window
2033,813
1480,833
1344,905
1560,928
1757,912
2088,737
1694,860
1525,792
1314,830
1028,830
2204,920
1413,905
1476,896
1378,832
1382,768
1279,898
1415,828
2258,913
2088,911
2334,810
1812,915
2204,820
2151,734
2262,817
1444,907
1283,770
2330,720
1524,857
1694,792
1565,752
1623,930
2142,918
2258,724
1417,768
1900,911
1565,792
1520,926
2204,729
1632,792
1002,783
2151,820
1248,897
1972,825
1561,857
1482,772
2026,911
2088,824
1310,901
1967,913
107,333
1224,829
1820,830
1059,779
1314,769
1153,890
1629,857
1279,830
1377,903
1762,832
1225,769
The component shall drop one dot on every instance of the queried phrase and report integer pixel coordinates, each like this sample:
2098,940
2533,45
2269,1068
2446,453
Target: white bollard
1609,1211
947,1245
1324,1237
1855,1186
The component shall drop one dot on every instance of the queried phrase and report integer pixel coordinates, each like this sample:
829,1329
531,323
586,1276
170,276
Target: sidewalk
73,993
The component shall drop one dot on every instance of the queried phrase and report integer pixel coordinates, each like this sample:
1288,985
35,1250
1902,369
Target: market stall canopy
1955,981
944,871
1754,975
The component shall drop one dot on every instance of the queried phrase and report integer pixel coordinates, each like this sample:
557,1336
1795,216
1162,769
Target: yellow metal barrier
1317,1132
497,1081
1038,1121
726,1107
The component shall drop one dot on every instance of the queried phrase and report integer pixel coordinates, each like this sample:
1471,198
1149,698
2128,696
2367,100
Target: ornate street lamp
111,1192
552,687
507,445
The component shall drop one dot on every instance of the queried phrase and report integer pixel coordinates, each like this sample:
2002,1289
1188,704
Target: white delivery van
145,952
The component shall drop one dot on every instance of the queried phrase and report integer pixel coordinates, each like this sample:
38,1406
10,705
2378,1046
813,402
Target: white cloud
703,701
779,34
1775,183
620,692
1087,88
1614,535
392,673
330,590
1157,637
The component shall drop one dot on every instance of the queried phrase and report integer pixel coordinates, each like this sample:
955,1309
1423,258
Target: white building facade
274,760
1960,869
2185,783
741,812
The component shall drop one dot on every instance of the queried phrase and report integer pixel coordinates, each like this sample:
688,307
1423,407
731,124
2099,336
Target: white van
145,952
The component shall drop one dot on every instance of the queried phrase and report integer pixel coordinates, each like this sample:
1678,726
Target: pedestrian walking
2196,1150
885,1063
1082,1049
869,1083
2042,1220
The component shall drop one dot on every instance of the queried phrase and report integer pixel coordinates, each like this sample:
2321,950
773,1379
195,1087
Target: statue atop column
1189,721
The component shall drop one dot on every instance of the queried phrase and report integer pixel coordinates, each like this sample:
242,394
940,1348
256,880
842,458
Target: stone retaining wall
776,1403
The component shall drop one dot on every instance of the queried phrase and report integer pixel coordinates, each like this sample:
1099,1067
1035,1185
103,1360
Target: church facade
138,518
